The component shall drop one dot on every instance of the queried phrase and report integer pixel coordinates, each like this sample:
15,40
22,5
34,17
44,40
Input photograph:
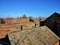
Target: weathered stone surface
35,36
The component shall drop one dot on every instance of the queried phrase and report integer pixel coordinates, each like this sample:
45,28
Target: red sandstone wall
57,43
13,24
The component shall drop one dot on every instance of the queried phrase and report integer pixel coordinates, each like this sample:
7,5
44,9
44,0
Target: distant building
2,21
53,22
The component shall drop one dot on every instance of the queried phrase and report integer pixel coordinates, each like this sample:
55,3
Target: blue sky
35,8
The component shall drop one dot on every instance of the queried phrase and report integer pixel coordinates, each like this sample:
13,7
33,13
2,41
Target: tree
24,16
